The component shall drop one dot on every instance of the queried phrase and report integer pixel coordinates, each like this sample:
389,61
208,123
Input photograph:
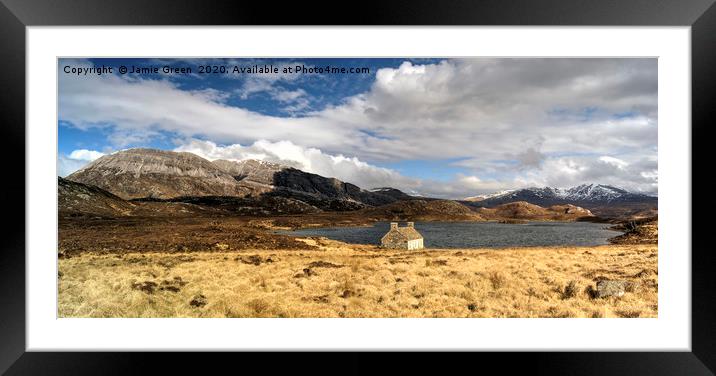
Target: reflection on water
477,234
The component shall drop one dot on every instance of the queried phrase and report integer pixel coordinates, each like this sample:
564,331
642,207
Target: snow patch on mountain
490,195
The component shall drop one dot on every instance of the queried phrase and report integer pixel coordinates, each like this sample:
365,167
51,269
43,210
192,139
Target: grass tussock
339,280
570,290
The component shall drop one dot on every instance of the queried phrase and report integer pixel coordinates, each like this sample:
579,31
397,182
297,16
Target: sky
439,127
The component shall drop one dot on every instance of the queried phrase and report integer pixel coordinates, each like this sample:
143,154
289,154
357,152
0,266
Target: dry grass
341,280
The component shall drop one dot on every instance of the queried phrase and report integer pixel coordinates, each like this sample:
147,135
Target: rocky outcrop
607,288
251,170
571,210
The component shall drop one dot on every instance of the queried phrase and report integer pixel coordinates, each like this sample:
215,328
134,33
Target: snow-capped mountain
490,195
586,195
594,192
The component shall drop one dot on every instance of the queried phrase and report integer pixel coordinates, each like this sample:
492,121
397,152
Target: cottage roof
407,233
410,233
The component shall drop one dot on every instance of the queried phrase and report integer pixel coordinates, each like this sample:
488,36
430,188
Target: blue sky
438,127
322,91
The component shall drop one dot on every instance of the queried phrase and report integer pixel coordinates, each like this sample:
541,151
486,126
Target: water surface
477,234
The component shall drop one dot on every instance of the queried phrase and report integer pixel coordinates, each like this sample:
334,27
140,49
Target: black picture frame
16,15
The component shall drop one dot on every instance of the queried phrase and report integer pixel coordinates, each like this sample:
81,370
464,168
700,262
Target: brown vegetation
167,234
332,279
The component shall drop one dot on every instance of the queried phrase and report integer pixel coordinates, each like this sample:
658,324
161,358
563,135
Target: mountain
150,174
589,193
143,173
602,200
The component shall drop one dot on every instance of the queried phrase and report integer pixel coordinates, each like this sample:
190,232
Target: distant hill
522,210
423,210
447,210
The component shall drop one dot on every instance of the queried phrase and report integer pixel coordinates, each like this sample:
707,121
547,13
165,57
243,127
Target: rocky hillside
522,210
142,173
83,200
326,192
263,205
76,199
423,210
257,175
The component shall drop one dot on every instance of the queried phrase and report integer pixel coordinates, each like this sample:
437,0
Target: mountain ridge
585,192
589,191
158,175
166,175
603,200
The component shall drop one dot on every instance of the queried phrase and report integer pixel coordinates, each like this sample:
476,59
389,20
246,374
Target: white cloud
67,164
289,95
292,101
348,169
139,108
85,155
366,175
616,162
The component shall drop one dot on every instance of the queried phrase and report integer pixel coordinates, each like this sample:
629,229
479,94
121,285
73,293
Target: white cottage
402,237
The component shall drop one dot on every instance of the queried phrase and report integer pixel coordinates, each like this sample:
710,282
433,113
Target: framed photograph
474,177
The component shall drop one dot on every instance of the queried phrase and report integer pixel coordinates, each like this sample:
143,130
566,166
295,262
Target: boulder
607,288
